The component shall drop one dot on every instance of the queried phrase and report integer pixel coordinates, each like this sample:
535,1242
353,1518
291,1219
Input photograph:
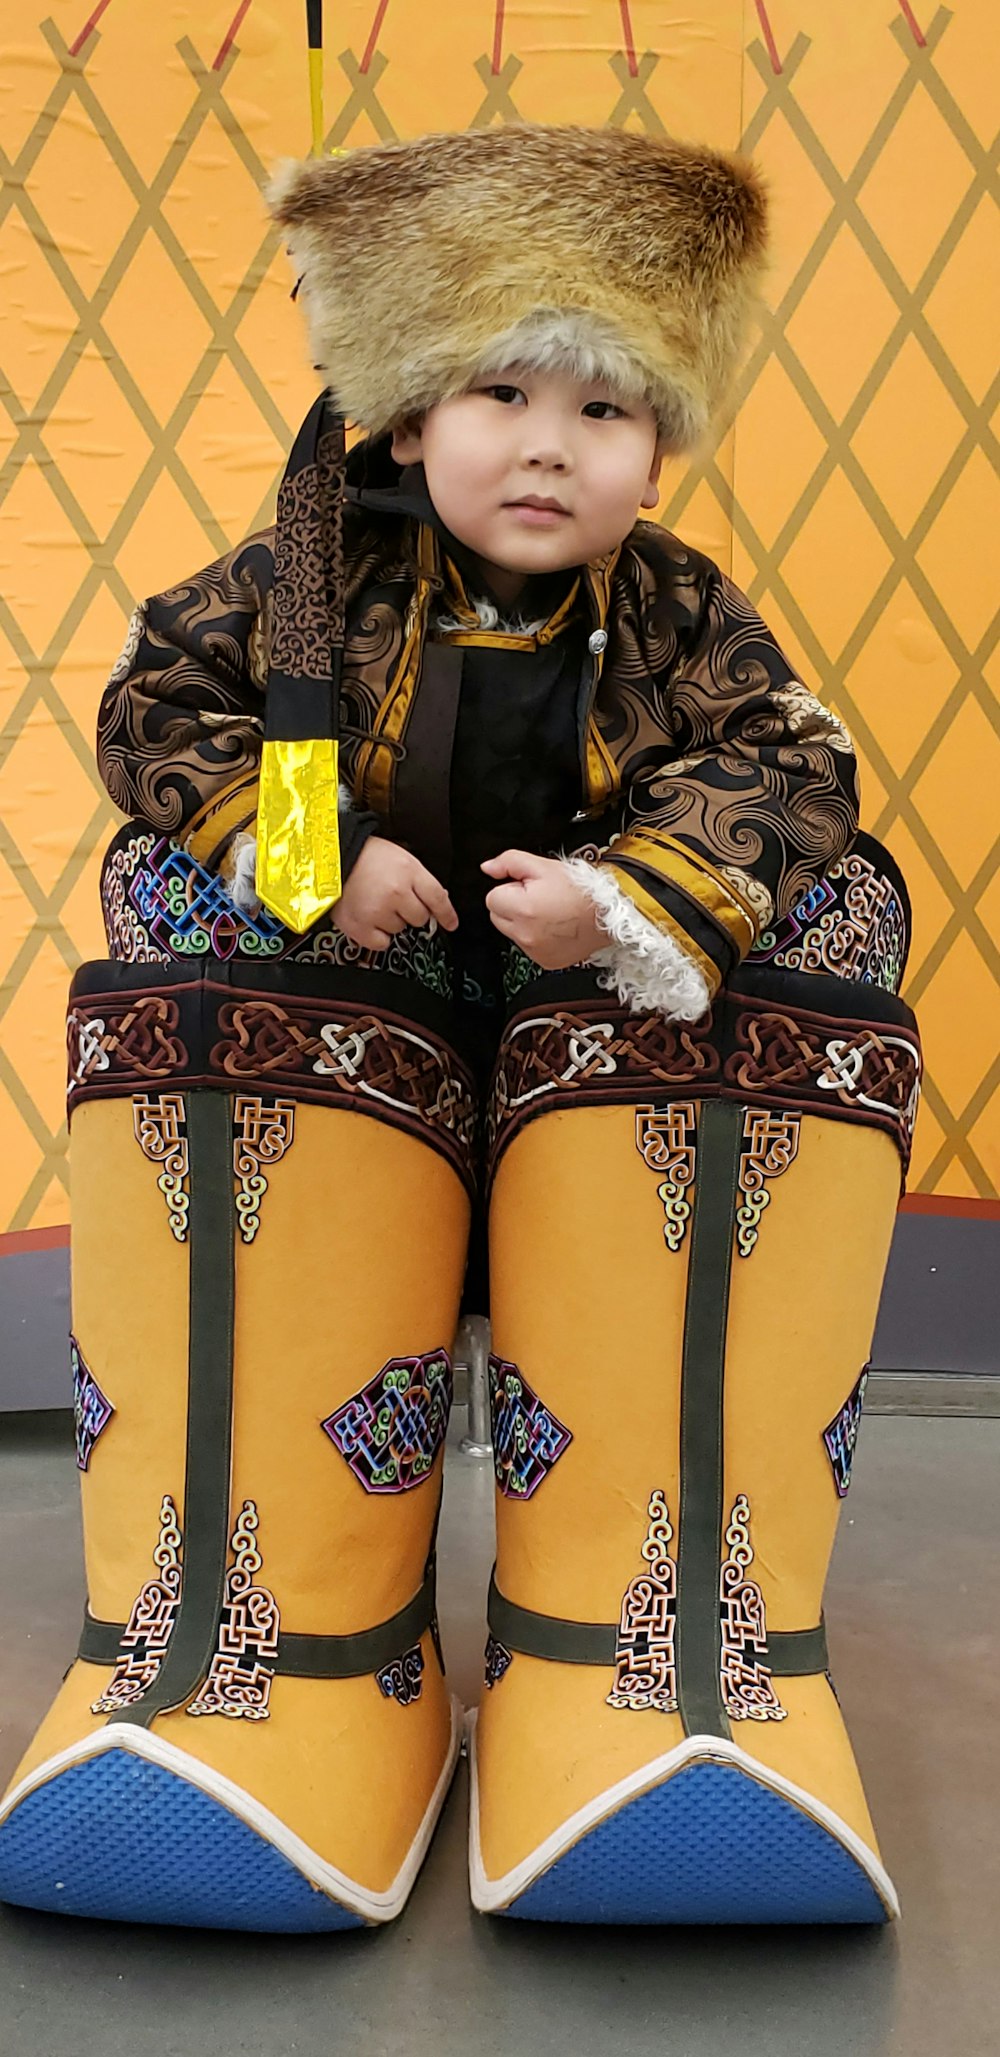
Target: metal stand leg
472,1348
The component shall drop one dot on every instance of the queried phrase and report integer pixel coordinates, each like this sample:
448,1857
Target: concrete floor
912,1613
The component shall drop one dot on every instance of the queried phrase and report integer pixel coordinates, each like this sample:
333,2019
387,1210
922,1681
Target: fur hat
431,263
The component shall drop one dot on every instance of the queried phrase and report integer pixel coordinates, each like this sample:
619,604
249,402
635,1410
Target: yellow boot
683,1290
257,1731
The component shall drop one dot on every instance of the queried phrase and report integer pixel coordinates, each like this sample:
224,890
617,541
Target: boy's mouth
538,512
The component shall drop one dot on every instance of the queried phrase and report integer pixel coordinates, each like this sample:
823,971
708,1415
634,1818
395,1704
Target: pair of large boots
272,1168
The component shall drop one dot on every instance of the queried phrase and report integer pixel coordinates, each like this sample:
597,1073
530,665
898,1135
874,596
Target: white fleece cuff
647,969
239,872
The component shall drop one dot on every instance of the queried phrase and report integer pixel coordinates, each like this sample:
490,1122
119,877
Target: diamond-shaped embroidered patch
528,1439
842,1435
391,1432
91,1411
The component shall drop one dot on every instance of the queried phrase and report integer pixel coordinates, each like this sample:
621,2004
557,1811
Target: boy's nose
550,458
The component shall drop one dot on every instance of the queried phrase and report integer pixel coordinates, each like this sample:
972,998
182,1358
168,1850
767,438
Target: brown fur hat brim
429,263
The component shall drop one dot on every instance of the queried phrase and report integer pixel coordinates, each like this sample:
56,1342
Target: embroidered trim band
580,1054
360,1655
179,1033
791,1653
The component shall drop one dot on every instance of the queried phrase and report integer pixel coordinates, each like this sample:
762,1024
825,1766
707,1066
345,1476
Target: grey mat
912,1616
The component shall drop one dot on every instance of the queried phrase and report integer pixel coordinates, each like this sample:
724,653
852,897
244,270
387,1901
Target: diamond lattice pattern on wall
152,374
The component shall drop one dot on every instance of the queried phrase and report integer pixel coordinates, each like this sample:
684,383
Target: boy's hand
389,890
542,911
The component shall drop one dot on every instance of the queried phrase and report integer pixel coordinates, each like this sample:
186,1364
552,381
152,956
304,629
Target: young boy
487,461
579,785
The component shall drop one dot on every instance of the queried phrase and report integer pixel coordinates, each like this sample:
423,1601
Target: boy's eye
505,394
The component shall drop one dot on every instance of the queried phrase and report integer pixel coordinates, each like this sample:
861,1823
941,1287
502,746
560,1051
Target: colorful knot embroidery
528,1439
842,1435
187,911
392,1430
91,1410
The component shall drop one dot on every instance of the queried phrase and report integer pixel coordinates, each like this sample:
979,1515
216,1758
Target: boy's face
541,434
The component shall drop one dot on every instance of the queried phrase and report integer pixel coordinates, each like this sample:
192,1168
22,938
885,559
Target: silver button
598,642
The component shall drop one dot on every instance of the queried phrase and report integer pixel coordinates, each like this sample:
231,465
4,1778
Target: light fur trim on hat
426,264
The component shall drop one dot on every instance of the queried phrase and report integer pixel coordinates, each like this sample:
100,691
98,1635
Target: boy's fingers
433,896
368,939
517,865
411,909
506,913
509,901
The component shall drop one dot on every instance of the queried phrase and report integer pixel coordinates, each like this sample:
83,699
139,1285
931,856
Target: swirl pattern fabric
692,711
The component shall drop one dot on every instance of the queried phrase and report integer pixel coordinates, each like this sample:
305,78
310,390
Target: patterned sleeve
182,717
760,798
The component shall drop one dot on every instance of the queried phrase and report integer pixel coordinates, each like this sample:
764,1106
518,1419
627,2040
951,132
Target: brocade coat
712,783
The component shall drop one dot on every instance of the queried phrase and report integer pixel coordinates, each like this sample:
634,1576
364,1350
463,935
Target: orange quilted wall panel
153,370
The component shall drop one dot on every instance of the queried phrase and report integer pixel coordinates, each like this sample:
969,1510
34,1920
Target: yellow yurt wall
152,372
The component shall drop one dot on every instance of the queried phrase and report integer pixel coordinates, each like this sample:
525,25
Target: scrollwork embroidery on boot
645,1659
402,1680
263,1129
665,1140
160,1124
239,1679
770,1145
147,1631
747,1691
